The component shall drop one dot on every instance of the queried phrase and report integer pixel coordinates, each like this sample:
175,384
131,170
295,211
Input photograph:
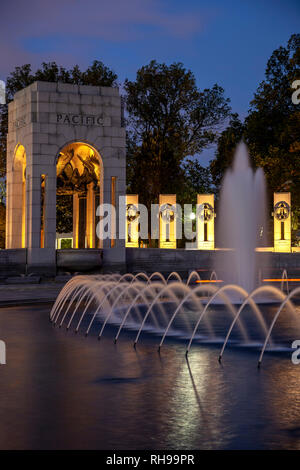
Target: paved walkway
21,294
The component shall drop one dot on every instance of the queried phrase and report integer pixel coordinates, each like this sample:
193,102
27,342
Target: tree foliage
227,143
169,119
64,213
272,127
197,181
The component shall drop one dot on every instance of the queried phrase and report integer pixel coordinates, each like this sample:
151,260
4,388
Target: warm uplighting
282,222
113,203
132,221
205,222
198,281
43,184
79,174
167,223
281,280
18,199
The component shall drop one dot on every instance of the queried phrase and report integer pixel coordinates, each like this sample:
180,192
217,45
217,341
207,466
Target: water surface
59,390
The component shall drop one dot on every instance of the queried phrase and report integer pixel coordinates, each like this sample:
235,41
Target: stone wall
183,261
12,262
79,260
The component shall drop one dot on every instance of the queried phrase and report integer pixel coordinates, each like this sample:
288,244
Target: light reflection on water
61,390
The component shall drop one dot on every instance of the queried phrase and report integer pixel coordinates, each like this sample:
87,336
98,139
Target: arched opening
18,199
79,173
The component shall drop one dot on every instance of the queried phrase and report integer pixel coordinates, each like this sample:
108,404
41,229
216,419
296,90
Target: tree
169,120
227,143
64,213
272,127
2,191
197,181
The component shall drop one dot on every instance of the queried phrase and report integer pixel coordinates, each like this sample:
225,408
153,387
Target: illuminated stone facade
167,221
47,123
282,222
132,221
205,222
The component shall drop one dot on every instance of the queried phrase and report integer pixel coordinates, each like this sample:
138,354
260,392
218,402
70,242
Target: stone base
183,261
41,261
84,260
12,262
23,280
114,259
46,262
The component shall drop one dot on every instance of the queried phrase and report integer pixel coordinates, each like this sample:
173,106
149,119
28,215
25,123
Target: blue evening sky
225,42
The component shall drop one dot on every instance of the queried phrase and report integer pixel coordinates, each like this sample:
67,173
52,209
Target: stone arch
80,177
40,118
18,223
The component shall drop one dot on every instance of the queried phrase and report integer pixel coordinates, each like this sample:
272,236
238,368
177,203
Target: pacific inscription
79,119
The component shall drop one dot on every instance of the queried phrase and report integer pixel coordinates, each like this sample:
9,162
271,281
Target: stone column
167,228
282,222
34,211
205,222
82,221
50,211
90,216
8,211
40,259
16,195
106,198
98,242
75,220
132,227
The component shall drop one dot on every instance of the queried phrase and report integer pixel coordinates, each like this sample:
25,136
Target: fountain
128,302
187,309
241,221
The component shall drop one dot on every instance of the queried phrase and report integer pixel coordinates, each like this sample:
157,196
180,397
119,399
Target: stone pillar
16,209
90,216
205,222
98,242
167,221
24,212
50,212
132,220
39,260
33,211
8,211
282,222
82,222
114,254
75,220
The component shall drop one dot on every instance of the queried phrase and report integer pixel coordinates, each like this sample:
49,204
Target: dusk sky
224,42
